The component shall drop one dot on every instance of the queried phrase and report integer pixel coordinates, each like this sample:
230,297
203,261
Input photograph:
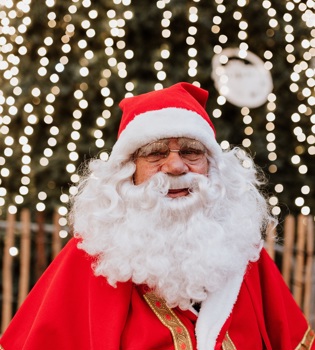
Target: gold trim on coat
307,340
179,332
227,343
167,316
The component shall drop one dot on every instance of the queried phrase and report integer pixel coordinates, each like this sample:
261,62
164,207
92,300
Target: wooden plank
25,253
298,280
308,267
271,240
41,258
56,240
7,282
289,237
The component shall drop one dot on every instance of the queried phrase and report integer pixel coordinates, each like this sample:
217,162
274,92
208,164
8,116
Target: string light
164,49
190,40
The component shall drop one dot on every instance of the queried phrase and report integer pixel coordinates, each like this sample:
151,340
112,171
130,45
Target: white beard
184,248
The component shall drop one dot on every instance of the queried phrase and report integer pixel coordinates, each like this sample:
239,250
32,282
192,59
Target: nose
174,165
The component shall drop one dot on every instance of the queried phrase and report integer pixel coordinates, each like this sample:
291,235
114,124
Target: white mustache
169,182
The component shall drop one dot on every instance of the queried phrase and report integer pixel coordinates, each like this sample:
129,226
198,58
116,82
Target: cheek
143,172
202,169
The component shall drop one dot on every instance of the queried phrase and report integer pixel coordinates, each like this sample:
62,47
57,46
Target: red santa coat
71,309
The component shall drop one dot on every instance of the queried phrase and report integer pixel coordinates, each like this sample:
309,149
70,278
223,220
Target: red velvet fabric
71,309
266,311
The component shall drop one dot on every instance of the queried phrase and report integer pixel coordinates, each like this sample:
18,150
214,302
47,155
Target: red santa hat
176,111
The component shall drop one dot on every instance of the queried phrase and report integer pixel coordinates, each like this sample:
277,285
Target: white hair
182,247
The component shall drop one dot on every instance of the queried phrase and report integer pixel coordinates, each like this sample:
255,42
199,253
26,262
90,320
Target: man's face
175,157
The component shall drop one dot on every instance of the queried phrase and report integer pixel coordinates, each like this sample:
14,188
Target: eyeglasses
191,151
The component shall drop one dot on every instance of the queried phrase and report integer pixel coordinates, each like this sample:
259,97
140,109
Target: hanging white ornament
241,77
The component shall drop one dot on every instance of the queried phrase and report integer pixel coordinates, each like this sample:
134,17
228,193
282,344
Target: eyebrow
186,142
146,149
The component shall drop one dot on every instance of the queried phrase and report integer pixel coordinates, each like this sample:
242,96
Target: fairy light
52,95
248,130
300,68
190,41
222,39
271,107
164,49
271,136
13,251
243,47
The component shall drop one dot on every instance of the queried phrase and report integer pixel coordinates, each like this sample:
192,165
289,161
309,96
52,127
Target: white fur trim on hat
163,123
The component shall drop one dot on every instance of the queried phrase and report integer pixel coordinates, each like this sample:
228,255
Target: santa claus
168,247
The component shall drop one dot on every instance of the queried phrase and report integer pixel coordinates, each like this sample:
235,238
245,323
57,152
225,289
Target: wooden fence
20,270
294,255
39,242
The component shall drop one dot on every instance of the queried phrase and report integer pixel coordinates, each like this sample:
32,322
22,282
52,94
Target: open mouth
179,192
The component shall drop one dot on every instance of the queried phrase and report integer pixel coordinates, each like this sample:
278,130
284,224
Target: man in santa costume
167,252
